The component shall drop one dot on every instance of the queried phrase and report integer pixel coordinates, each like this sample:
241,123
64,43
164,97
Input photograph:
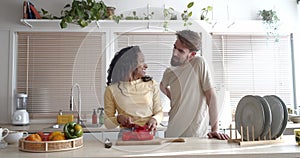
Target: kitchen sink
60,126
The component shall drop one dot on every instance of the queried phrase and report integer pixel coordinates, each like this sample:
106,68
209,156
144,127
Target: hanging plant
83,12
271,21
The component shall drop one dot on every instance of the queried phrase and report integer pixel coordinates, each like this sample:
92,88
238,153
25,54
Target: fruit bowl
295,119
50,146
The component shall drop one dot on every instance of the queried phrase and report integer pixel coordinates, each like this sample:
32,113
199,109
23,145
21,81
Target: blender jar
21,101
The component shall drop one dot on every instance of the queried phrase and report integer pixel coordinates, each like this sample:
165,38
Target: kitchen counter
193,147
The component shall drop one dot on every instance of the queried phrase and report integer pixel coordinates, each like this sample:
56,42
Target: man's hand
217,135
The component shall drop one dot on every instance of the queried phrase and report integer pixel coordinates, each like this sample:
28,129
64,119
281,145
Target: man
189,87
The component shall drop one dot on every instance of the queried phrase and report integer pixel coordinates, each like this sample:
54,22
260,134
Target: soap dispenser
101,116
94,117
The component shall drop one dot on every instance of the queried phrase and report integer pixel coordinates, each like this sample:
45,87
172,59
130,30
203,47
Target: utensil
14,136
268,117
250,114
21,116
285,113
277,115
3,133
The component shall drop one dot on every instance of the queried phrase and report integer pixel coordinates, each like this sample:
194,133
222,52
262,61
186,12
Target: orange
58,137
34,137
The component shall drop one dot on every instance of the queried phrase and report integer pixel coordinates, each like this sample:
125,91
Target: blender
21,116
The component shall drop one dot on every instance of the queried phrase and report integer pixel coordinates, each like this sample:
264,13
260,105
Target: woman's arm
110,120
157,109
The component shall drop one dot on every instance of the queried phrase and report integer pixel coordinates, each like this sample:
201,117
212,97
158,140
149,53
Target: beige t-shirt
138,99
189,113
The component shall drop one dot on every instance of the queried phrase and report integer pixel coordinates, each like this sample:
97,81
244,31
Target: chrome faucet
76,85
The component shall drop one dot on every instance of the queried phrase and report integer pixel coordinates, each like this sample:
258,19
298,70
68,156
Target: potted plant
148,16
83,12
271,20
204,13
186,14
133,17
168,15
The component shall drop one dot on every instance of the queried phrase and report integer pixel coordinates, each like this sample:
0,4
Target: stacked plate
261,117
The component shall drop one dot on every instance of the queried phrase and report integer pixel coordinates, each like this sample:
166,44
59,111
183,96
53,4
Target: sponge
63,119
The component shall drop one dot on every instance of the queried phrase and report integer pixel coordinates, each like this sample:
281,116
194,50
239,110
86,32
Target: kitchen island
192,147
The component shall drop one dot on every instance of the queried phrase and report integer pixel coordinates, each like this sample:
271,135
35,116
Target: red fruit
43,136
40,133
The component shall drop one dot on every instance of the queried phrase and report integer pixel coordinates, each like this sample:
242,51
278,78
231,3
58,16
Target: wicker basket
50,146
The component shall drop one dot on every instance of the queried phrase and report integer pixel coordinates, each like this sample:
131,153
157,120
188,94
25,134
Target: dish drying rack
247,142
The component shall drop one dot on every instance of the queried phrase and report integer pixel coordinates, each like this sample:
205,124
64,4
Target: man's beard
177,63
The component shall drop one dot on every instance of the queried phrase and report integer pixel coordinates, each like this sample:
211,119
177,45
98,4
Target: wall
231,10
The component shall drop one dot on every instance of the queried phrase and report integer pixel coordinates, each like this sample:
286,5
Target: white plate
285,118
250,113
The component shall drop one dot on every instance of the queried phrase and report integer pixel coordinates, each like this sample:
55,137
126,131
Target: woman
130,94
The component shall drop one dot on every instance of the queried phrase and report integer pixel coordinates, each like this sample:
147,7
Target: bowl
14,136
295,119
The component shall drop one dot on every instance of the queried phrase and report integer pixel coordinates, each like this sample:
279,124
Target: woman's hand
124,121
217,135
152,124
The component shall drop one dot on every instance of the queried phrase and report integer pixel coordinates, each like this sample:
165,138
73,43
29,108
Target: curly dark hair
124,62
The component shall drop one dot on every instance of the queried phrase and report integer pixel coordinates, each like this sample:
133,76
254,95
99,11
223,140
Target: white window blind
157,48
50,63
253,65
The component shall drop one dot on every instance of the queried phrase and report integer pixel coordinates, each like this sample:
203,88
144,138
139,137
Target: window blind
157,48
252,65
50,63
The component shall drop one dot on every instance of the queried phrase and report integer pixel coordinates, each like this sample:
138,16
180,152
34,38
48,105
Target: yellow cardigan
137,99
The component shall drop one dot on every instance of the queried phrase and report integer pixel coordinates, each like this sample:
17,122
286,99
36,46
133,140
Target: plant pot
173,17
110,12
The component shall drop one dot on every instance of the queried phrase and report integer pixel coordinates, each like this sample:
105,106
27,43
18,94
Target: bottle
101,116
94,117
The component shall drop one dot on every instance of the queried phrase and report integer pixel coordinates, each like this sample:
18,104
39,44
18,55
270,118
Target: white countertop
193,147
198,147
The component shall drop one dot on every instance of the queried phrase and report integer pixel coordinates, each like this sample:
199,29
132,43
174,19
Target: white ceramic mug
14,136
2,130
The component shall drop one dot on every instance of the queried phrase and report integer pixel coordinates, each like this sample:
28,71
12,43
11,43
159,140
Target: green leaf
67,6
83,23
44,11
68,19
63,24
209,8
190,4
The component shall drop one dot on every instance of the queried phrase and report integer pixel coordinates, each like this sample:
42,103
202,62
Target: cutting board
155,141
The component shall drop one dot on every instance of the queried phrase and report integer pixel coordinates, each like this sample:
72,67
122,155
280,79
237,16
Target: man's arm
166,91
211,100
